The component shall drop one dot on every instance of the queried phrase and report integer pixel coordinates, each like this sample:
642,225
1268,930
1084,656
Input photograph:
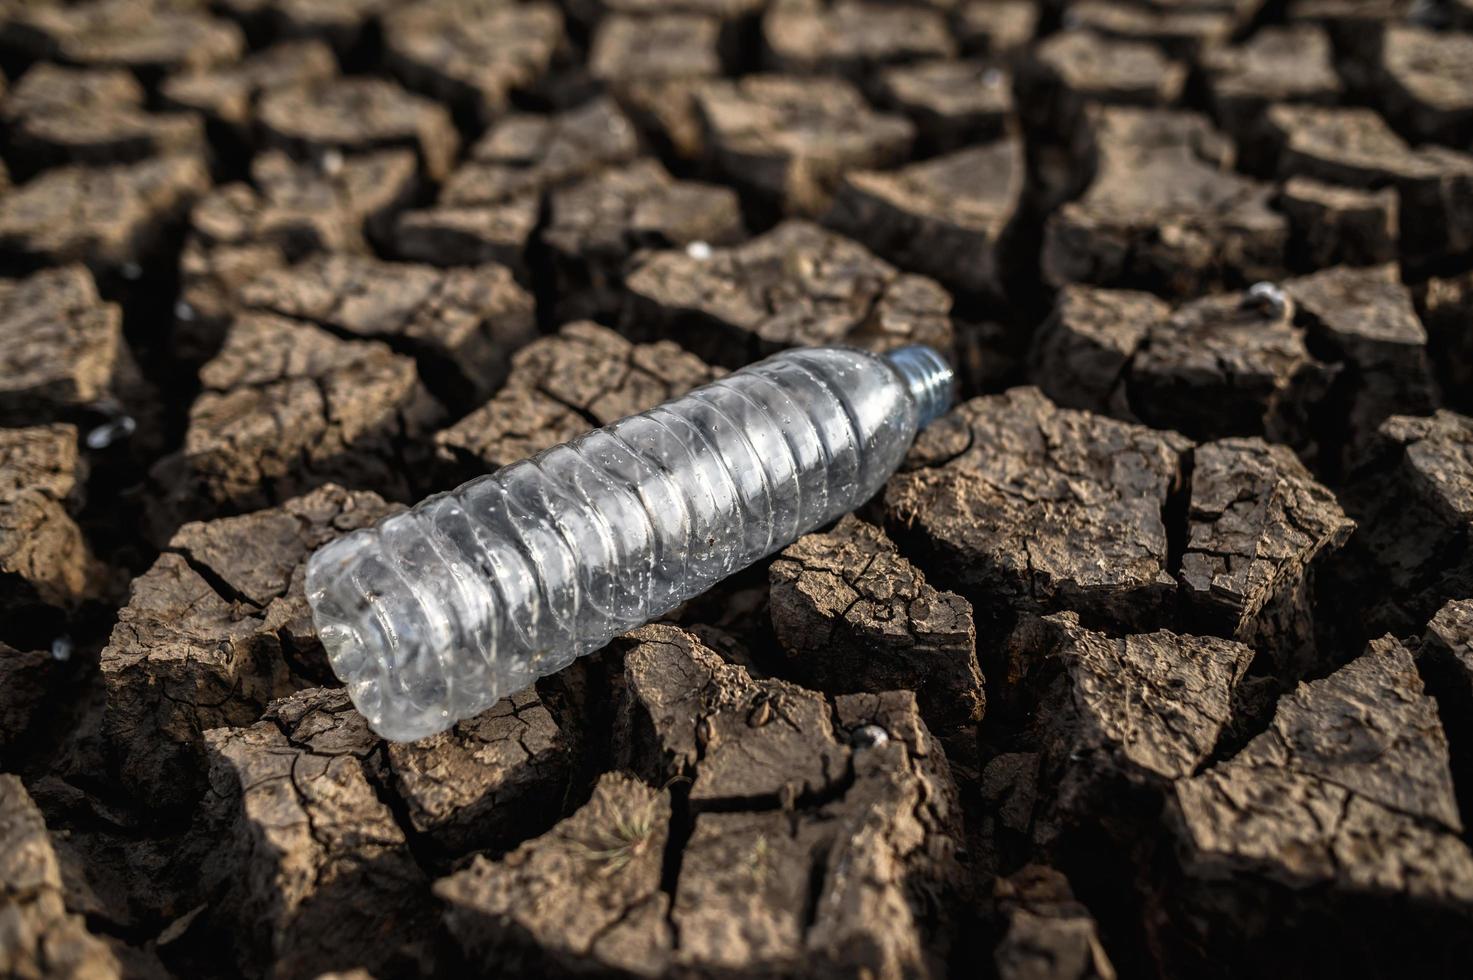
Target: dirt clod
287,406
996,498
213,632
797,285
311,861
786,833
1326,798
46,566
944,218
598,226
42,937
561,386
1165,210
462,324
358,115
853,615
789,139
112,218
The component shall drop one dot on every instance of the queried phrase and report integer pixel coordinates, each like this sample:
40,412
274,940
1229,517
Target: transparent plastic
433,614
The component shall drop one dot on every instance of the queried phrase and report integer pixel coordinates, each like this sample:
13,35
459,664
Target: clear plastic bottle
433,614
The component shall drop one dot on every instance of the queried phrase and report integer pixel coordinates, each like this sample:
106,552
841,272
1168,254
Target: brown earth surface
1155,659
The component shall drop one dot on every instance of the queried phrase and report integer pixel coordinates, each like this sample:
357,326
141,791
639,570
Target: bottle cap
929,378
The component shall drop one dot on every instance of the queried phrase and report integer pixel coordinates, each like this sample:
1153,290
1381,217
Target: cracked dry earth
1154,659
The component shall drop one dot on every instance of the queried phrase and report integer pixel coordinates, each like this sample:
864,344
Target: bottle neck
928,378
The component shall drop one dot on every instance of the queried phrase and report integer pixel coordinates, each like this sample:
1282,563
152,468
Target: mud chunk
687,711
1074,69
1009,793
228,96
489,207
150,39
596,227
358,115
286,407
1021,505
1347,793
1277,64
25,680
1446,663
1121,718
489,780
1081,356
1181,30
1426,83
1365,318
1332,225
235,234
1437,207
120,873
58,115
652,63
1355,147
1446,307
313,866
345,24
1164,211
42,939
798,285
853,615
945,217
139,879
107,217
1357,27
35,32
50,88
63,350
462,324
766,737
45,565
214,631
238,232
164,43
951,103
562,386
1351,146
366,188
789,139
860,829
627,49
1413,500
851,37
1046,932
997,28
876,863
1220,366
528,154
456,235
1258,526
587,893
470,53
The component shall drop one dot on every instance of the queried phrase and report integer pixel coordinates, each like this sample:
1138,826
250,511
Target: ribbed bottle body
433,614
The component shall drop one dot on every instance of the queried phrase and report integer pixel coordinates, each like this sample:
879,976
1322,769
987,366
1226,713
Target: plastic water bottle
433,614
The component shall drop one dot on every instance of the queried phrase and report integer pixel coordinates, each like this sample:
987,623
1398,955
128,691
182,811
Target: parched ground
1154,659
